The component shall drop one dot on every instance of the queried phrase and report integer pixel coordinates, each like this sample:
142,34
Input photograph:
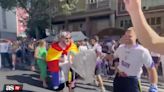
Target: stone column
112,20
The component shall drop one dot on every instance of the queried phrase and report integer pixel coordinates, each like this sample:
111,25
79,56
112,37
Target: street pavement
31,82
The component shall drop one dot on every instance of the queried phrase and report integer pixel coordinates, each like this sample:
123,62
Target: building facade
7,24
90,17
153,10
93,16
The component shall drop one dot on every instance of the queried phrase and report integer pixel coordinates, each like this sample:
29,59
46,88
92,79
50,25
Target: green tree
40,13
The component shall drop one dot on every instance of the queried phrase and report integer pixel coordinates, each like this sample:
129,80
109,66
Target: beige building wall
119,21
151,3
7,24
154,18
96,14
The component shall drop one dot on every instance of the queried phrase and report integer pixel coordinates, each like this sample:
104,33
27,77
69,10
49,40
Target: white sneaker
55,87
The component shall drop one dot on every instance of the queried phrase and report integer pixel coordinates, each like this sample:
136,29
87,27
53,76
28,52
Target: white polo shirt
132,59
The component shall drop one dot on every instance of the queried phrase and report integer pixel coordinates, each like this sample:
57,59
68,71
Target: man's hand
153,88
133,5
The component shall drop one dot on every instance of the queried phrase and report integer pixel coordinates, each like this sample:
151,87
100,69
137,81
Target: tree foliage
40,12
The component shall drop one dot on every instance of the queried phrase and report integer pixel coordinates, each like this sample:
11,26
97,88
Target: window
144,8
81,25
130,23
91,1
121,23
122,6
4,22
148,20
126,23
158,28
63,27
100,0
153,21
158,20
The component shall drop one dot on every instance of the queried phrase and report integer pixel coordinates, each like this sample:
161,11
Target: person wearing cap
57,60
132,57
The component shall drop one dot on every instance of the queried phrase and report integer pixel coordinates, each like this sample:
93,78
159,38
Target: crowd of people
53,58
17,53
124,58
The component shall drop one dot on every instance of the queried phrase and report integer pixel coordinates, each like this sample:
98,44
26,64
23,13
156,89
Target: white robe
84,64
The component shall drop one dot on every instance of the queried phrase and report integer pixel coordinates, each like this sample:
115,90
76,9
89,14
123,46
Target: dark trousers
6,60
126,84
30,60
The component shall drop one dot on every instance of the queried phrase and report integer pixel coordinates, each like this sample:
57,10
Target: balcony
104,4
99,4
91,6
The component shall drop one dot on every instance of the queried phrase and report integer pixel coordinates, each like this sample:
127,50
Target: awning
78,35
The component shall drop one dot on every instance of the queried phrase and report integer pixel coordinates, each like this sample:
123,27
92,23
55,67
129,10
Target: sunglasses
67,38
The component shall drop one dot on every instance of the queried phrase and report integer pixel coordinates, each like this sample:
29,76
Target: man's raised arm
146,35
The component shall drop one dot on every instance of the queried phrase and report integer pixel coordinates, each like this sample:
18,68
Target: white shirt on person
98,49
83,48
132,59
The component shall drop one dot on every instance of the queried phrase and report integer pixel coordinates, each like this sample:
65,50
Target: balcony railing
104,4
99,4
91,6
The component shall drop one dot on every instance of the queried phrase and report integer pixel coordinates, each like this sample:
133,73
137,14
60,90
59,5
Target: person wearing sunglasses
58,61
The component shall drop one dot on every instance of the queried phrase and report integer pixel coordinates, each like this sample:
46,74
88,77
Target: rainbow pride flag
53,57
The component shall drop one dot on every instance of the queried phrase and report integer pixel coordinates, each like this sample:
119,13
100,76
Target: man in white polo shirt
132,57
